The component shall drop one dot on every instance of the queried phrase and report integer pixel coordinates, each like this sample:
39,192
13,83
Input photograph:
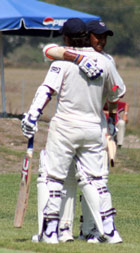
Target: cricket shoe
89,238
37,238
94,239
114,237
65,235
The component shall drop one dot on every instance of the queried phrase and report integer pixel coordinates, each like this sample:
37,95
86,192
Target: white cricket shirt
80,100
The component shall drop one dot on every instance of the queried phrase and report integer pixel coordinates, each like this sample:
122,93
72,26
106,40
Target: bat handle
30,145
30,142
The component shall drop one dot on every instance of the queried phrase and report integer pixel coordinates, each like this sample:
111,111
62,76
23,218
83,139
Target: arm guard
42,97
29,122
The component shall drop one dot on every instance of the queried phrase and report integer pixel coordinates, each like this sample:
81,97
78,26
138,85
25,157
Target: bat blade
111,150
22,201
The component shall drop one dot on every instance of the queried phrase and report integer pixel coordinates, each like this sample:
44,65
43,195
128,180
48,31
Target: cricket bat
111,149
23,195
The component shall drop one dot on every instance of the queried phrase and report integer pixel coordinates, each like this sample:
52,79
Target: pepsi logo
48,21
53,22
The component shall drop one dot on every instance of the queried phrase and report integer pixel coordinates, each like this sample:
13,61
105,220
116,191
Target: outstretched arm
87,65
54,52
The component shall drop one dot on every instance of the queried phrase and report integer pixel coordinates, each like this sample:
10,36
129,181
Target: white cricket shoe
48,239
36,238
52,238
115,238
65,236
94,239
112,239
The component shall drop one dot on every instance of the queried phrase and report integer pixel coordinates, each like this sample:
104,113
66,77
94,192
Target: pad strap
55,194
110,212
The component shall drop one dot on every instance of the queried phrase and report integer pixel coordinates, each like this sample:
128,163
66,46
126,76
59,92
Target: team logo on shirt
55,69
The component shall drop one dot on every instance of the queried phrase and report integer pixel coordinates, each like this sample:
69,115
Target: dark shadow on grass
22,240
19,116
10,115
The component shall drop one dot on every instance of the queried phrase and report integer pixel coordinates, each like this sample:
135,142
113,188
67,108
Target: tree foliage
123,17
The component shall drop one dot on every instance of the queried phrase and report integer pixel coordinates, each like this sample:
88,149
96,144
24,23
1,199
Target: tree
122,17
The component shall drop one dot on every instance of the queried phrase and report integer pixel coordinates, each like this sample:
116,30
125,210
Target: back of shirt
79,98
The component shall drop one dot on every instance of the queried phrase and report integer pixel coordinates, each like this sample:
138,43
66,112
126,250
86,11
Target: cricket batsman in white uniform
68,204
74,133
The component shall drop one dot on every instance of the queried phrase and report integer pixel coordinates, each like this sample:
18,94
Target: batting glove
89,67
29,125
111,127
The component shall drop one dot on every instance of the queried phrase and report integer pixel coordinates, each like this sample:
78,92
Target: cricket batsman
55,178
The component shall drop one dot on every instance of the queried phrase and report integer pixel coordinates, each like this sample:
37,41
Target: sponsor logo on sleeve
55,69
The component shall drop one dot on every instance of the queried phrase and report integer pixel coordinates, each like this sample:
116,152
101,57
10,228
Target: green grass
10,151
127,160
125,189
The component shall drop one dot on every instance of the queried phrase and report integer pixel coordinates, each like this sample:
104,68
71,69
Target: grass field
124,185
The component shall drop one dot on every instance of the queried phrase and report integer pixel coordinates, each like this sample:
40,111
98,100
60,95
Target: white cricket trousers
121,131
65,141
63,144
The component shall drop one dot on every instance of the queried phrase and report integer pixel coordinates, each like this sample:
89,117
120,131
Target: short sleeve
55,75
115,85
